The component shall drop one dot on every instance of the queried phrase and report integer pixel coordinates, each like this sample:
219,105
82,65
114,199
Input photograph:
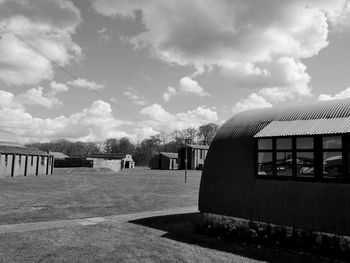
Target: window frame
318,152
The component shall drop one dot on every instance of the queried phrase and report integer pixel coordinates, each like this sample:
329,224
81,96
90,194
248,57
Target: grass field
80,193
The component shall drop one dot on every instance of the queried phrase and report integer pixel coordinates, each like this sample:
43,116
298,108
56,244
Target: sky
91,70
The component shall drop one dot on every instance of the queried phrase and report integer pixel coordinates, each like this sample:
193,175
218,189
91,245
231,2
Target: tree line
141,152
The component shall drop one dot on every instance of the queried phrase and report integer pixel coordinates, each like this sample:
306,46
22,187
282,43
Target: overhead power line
67,71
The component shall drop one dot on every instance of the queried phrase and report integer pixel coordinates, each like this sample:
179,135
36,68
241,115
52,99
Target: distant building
59,155
128,162
196,155
18,160
164,161
73,162
113,161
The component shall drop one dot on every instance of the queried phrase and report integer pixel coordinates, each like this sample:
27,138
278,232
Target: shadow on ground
181,228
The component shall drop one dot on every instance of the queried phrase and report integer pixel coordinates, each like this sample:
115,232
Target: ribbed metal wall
229,186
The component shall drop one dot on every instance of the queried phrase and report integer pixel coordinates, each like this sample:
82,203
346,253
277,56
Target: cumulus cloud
84,83
46,25
37,96
135,96
161,119
341,95
186,86
92,123
253,101
190,86
58,87
258,44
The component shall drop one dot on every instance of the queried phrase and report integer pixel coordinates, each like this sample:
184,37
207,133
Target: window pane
305,143
265,163
347,141
332,142
348,173
265,144
305,164
332,164
284,163
284,144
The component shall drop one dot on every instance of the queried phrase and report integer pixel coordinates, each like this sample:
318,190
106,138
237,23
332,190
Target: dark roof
169,155
108,155
305,127
9,143
22,150
195,146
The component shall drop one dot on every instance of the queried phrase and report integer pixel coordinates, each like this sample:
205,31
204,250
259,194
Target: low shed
284,166
196,155
164,161
18,160
113,161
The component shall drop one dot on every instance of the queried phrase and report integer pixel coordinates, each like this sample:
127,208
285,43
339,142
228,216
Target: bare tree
207,132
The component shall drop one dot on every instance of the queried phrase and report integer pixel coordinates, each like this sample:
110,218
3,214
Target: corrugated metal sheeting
22,151
305,127
229,185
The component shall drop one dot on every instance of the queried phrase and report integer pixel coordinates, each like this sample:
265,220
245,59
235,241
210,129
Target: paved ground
26,227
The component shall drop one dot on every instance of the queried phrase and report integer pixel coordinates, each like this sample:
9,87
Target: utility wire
68,72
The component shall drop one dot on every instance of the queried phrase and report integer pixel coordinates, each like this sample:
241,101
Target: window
31,160
305,157
19,160
6,159
265,160
319,157
284,157
42,160
332,165
200,154
265,144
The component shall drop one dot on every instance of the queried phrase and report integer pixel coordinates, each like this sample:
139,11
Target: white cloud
171,91
58,87
35,96
84,83
135,96
186,86
258,44
341,95
163,120
253,101
93,123
190,86
46,25
158,113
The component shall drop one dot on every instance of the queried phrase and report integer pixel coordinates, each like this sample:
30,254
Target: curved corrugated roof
229,185
319,110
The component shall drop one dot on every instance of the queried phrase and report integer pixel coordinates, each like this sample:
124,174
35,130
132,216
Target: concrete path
26,227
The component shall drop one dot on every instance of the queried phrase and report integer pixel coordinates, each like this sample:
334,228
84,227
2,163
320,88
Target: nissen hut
18,160
284,166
